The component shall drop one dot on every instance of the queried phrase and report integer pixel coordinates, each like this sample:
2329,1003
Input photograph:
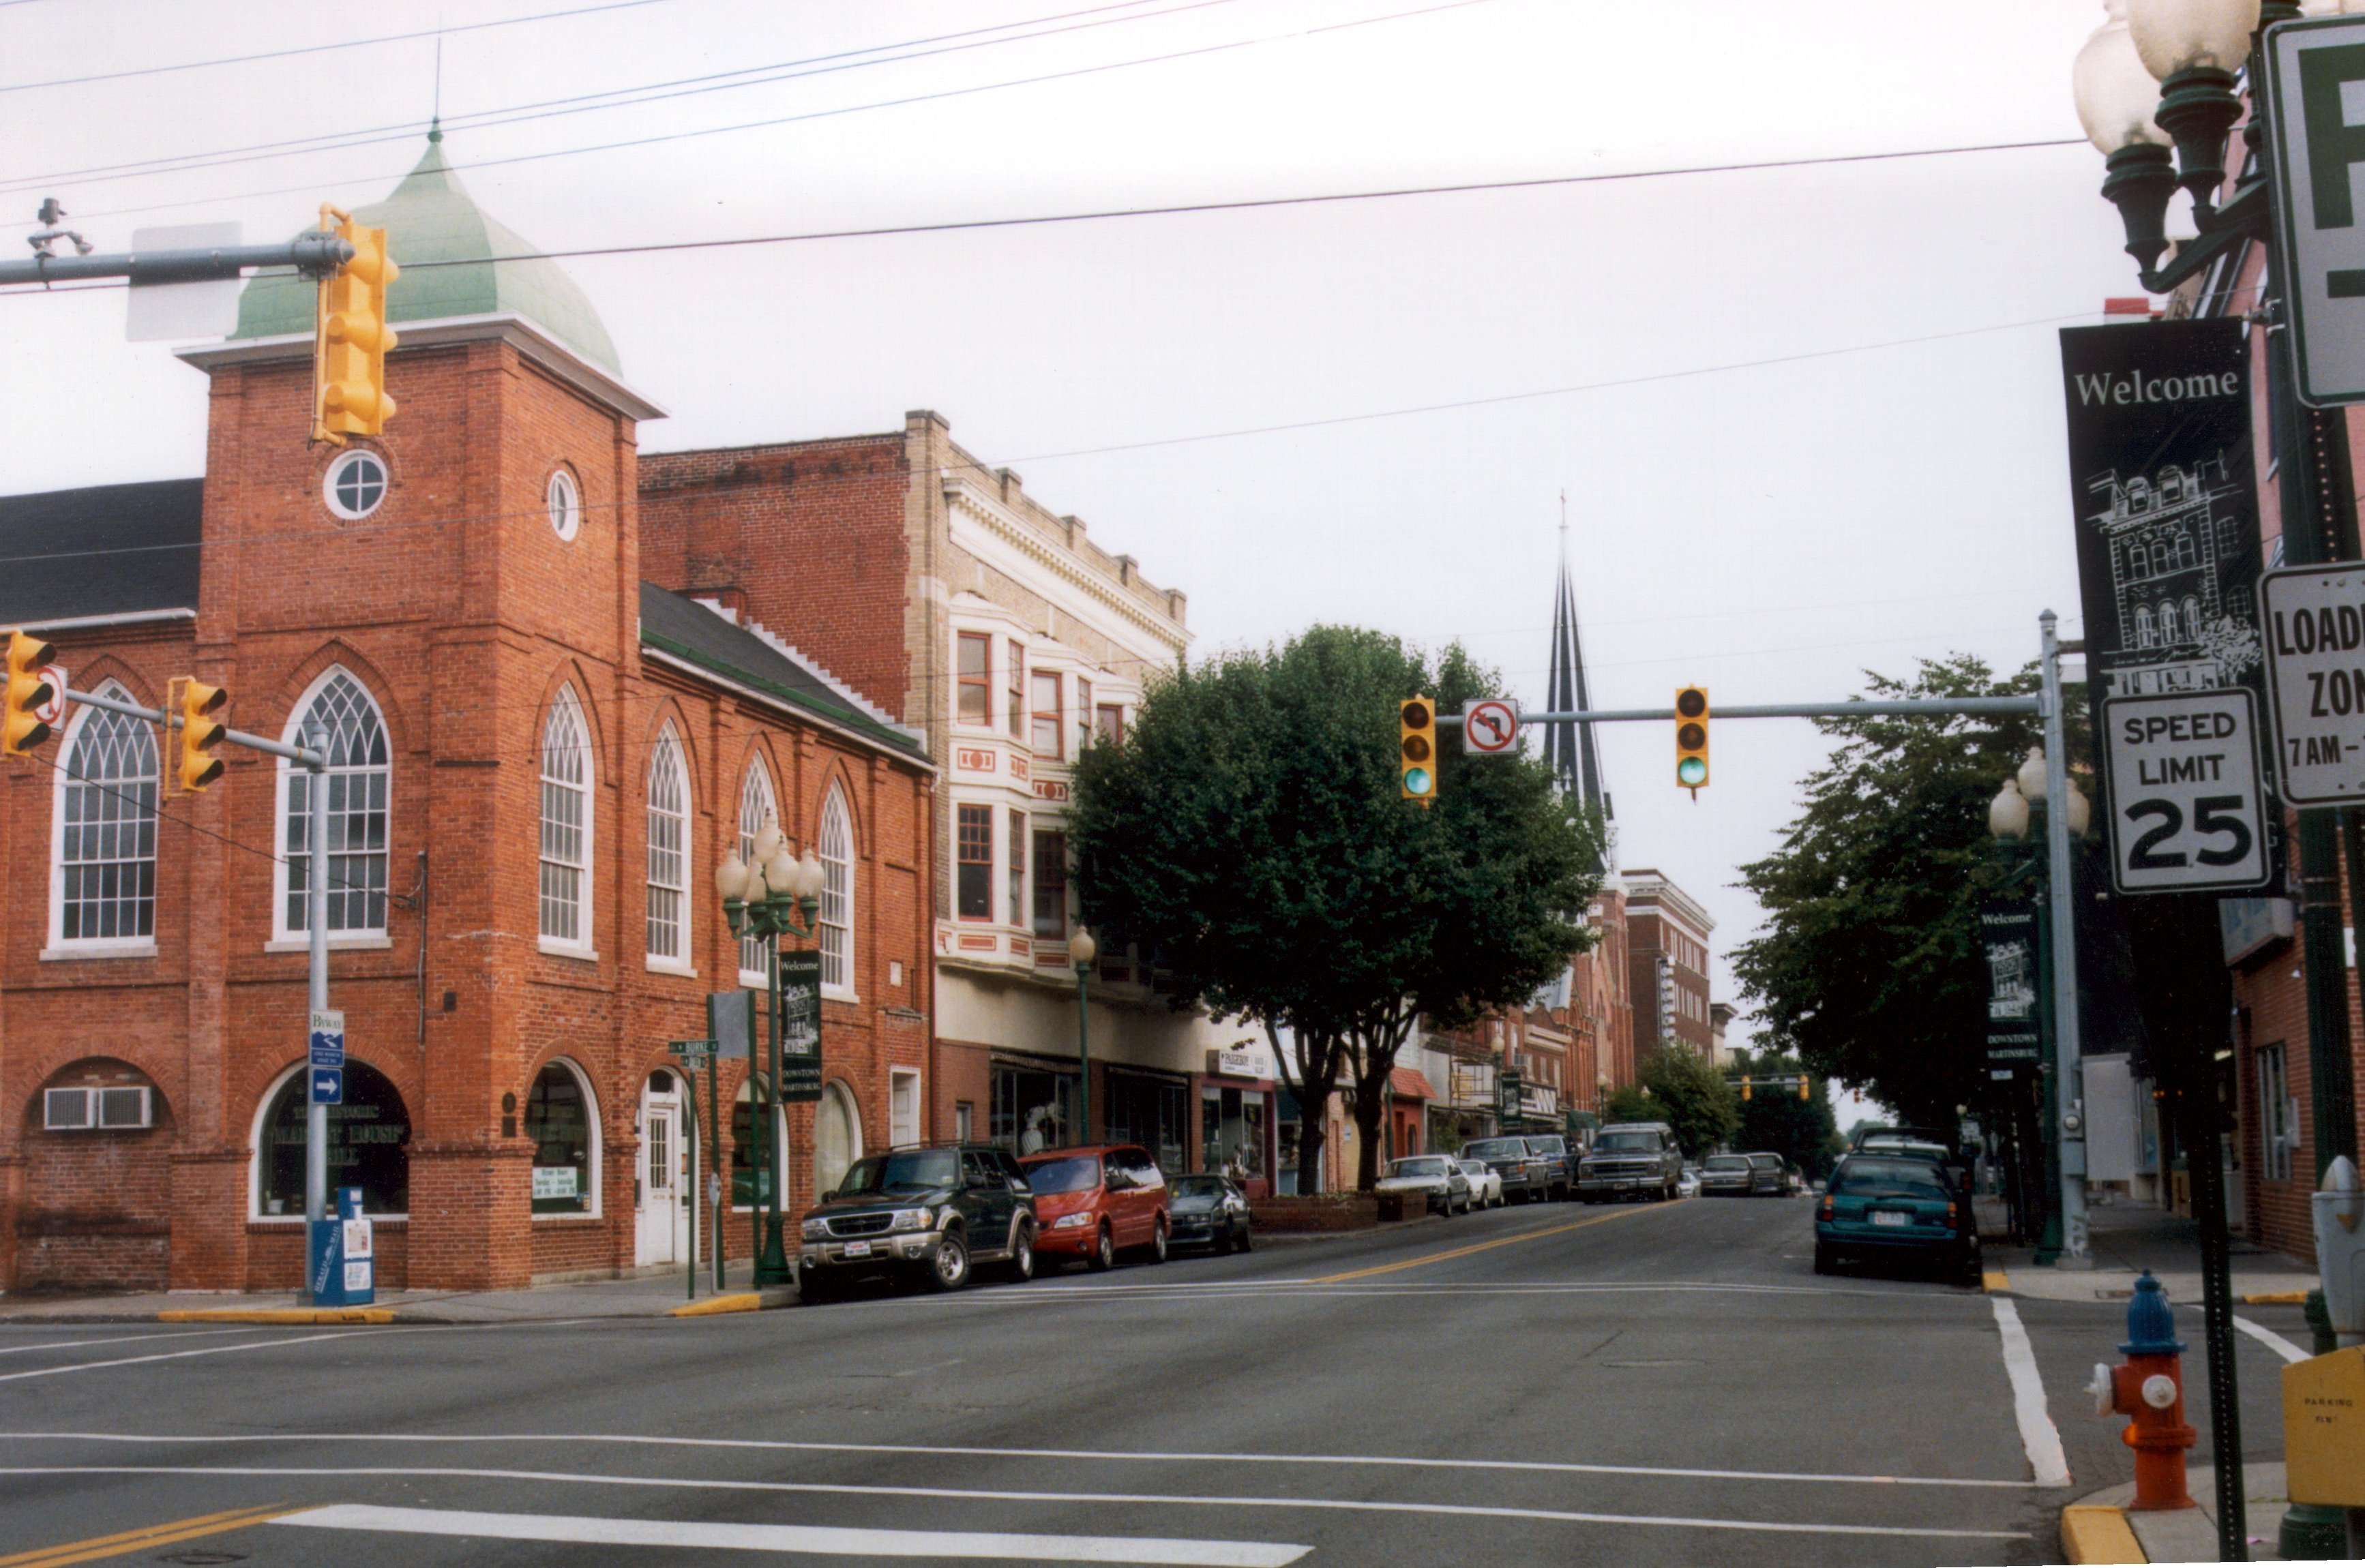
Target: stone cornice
963,495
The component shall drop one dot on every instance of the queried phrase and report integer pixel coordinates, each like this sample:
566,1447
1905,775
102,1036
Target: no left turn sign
1489,726
2186,813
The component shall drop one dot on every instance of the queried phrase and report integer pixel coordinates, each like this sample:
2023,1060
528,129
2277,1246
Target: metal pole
1889,707
312,252
772,1264
715,1178
1083,1061
2067,1056
2050,1100
689,1113
316,919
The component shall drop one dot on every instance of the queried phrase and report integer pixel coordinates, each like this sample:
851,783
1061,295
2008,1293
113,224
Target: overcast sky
1807,419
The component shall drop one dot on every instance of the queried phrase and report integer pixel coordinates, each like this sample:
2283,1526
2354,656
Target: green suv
930,1214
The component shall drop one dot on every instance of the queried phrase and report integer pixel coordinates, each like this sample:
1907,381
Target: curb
2093,1532
278,1314
738,1301
2276,1298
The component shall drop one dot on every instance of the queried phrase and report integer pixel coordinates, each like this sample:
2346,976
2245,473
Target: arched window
756,809
2146,633
750,1157
105,831
369,1144
563,1123
2168,629
836,851
2163,560
358,777
2192,619
566,824
2138,561
837,1138
668,852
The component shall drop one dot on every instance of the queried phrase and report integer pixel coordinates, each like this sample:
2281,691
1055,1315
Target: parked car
1889,1206
1560,1163
1687,1185
1639,1158
1794,1181
1486,1183
1766,1177
931,1214
1435,1178
1727,1176
1207,1210
1096,1202
1522,1170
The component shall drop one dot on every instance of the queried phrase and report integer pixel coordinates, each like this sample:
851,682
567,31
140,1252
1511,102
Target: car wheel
1022,1256
1971,1268
1103,1254
1247,1243
1826,1262
951,1269
814,1287
1155,1251
1223,1241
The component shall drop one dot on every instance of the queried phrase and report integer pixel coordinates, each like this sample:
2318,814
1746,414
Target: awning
1406,1083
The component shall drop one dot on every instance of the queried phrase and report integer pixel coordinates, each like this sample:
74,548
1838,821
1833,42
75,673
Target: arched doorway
837,1138
661,1223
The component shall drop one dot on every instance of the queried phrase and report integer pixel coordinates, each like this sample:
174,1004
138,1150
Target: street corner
1995,1281
2098,1532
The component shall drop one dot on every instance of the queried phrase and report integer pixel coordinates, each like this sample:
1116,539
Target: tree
1692,1097
1870,969
1803,1132
1249,831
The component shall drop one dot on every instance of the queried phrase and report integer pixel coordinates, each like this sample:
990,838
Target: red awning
1407,1084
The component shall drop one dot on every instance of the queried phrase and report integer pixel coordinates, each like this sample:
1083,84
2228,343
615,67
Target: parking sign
2186,813
2313,69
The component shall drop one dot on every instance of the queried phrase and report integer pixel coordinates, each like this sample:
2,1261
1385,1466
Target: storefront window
1286,1128
369,1144
1154,1112
751,1179
1034,1109
558,1119
1231,1131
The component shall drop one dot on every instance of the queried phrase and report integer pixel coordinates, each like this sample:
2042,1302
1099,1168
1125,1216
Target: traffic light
1691,736
1744,1086
1417,749
351,338
28,693
1803,1086
200,733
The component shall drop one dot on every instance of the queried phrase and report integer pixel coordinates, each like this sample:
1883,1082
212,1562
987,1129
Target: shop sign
1235,1062
556,1181
1509,1093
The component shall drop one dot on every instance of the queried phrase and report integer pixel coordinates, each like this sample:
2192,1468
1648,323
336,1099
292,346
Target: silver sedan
1486,1183
1432,1177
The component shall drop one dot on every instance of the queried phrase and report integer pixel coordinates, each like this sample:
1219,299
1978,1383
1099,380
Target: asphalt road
1635,1384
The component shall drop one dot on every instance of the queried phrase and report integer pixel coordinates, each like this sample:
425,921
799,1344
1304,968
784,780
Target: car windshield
1497,1148
1766,1161
1070,1173
1475,1167
912,1171
1628,1143
1422,1166
1728,1163
1194,1186
1554,1145
1863,1177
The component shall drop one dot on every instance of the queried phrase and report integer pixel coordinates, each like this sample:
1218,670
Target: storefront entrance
662,1225
1232,1124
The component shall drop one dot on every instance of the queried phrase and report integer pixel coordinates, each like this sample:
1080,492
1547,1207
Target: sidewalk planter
1319,1212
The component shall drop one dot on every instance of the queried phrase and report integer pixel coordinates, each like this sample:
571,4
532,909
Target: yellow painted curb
280,1315
1995,1281
2276,1298
744,1301
2092,1533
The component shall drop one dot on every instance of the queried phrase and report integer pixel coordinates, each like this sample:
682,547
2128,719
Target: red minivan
1092,1202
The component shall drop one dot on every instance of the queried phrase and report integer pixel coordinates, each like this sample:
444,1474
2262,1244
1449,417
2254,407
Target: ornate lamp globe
2194,48
2008,813
2116,99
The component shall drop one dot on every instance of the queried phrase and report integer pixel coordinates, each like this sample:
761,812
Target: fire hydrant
2149,1386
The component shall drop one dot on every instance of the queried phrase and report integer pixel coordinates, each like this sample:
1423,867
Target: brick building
539,759
1667,964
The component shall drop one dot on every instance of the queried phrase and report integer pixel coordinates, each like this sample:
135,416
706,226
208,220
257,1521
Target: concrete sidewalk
2100,1528
653,1295
2125,1239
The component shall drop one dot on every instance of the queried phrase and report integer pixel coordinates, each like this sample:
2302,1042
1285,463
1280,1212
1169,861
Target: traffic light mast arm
1897,707
312,253
311,759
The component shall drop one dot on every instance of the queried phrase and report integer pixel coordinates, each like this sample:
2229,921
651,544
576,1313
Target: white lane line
785,1445
2270,1339
123,1340
961,1494
178,1355
2037,1433
935,1545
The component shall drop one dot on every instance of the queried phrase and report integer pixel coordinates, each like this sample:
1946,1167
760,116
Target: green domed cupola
431,219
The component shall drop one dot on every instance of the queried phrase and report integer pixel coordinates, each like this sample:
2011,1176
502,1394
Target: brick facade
1667,964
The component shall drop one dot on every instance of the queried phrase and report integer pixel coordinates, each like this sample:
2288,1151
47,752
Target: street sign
2312,69
327,1086
52,710
2185,807
2316,673
1489,726
328,1038
694,1054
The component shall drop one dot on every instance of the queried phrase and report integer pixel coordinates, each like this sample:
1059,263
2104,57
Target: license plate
1890,1216
858,1250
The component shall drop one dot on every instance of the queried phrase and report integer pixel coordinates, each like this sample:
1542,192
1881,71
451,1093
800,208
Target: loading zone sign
2316,668
2186,814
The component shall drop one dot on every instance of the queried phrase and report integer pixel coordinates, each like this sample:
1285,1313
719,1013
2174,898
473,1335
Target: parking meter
2340,1249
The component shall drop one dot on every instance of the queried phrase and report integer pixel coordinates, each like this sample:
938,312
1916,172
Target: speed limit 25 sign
2186,814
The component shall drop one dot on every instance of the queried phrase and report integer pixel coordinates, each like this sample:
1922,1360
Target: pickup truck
1631,1159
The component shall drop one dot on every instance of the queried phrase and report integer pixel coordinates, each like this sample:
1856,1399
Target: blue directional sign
328,1038
327,1086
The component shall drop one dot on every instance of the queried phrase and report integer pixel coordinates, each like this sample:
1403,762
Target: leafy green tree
1249,831
1870,969
1801,1131
1692,1097
1632,1102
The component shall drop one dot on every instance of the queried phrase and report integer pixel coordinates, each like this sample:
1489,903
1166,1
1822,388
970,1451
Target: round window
355,485
566,505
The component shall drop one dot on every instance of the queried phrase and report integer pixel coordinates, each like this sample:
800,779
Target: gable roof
103,551
694,635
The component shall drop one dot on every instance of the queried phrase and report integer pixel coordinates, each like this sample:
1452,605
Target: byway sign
2313,68
2315,671
2186,813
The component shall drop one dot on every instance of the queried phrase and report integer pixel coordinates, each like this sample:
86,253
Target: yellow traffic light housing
200,733
1744,1086
1691,737
351,338
1803,1086
1417,749
23,728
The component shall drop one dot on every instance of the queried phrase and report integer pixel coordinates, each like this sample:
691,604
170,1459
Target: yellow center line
1475,1247
140,1539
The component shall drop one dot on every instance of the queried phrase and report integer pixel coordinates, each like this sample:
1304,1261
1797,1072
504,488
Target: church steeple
1569,746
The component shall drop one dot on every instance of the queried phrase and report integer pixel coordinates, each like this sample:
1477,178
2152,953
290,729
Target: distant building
1720,1014
1667,964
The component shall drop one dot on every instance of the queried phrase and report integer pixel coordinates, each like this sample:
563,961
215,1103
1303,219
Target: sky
1806,420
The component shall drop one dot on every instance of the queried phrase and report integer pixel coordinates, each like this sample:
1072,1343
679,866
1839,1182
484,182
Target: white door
662,1219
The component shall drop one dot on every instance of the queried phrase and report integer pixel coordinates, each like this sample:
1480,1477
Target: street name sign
1489,726
2315,672
327,1043
2313,68
2186,812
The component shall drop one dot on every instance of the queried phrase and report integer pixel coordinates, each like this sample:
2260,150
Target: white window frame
666,755
598,1135
285,938
899,1135
836,914
568,707
563,497
2278,1129
254,1129
350,459
59,946
758,800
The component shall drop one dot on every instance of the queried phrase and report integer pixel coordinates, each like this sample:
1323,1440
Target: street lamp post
1082,951
762,897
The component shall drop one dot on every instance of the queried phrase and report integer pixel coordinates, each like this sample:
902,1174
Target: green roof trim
481,268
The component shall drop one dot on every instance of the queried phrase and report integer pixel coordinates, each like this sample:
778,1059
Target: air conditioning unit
97,1110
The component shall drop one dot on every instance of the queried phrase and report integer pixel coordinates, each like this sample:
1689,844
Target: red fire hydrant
2149,1386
